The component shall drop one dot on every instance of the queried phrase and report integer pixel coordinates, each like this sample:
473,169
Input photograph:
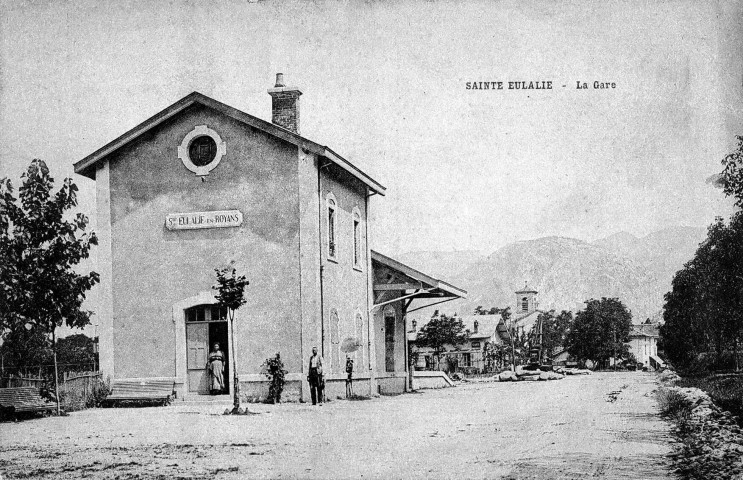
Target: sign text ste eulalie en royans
190,221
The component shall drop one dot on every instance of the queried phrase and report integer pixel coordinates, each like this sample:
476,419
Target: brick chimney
477,324
415,325
285,105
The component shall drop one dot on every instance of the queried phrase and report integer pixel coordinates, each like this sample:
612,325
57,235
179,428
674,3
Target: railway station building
202,185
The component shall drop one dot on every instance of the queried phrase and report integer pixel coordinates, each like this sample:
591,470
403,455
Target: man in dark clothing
349,380
315,377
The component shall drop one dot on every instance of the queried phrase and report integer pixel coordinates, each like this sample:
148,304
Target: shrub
726,391
101,391
673,404
274,370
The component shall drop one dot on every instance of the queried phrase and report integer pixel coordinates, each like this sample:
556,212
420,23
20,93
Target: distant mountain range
566,271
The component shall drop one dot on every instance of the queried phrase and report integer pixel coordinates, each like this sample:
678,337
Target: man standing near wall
315,377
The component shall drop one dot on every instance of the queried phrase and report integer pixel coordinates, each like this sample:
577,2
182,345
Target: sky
384,85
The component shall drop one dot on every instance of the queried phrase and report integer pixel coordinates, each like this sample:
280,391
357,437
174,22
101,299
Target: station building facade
202,185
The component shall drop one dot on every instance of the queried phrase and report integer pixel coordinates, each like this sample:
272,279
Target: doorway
389,338
205,326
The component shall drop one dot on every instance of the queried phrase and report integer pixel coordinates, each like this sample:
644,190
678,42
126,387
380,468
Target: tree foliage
481,311
29,351
25,350
515,348
555,328
77,352
230,289
703,312
41,243
440,331
732,174
599,331
40,247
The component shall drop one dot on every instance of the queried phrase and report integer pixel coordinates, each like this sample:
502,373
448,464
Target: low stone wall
336,389
257,391
710,440
431,379
392,385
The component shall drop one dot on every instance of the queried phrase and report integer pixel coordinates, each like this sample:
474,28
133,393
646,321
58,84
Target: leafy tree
518,340
23,348
481,311
231,294
40,246
77,351
732,174
441,330
495,354
600,331
554,329
703,312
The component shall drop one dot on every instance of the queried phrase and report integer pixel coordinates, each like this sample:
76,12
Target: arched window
525,304
359,321
389,338
332,218
335,341
356,238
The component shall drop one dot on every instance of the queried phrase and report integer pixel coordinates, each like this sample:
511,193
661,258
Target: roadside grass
674,405
726,391
709,443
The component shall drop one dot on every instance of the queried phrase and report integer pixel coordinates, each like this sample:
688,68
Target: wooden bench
141,390
23,400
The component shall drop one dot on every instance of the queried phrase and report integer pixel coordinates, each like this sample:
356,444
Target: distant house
643,344
561,357
470,356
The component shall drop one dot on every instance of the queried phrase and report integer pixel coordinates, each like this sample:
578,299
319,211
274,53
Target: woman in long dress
215,368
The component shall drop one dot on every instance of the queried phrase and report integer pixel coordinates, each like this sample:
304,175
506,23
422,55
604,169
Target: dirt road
597,426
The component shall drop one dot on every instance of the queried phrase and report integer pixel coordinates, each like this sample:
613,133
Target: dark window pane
202,151
331,232
200,314
356,242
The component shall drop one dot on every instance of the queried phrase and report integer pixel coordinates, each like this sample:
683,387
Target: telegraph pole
614,330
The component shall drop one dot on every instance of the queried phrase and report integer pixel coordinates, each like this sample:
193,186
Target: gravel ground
594,426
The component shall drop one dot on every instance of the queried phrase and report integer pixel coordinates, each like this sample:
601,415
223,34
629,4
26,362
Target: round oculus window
202,151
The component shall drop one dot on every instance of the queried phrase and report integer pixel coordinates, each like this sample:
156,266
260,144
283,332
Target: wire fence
13,381
77,390
46,370
468,363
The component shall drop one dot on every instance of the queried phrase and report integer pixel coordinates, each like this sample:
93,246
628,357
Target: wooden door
389,340
197,349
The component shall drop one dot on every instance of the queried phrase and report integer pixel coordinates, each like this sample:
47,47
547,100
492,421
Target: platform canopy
408,283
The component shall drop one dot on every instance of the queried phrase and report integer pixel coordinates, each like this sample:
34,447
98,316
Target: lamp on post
95,348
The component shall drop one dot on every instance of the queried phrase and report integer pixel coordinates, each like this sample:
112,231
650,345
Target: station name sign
196,220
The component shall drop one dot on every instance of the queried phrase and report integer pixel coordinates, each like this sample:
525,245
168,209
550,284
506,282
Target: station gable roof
408,278
86,166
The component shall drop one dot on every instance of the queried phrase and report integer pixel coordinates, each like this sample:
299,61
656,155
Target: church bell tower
526,300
